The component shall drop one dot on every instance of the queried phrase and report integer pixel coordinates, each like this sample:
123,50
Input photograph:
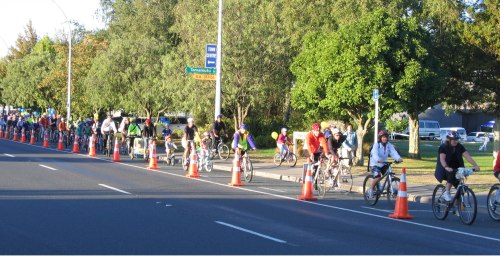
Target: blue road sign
375,94
211,56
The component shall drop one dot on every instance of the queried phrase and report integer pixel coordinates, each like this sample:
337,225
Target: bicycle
464,200
493,205
108,148
246,167
289,157
341,178
221,149
389,188
318,176
170,158
205,162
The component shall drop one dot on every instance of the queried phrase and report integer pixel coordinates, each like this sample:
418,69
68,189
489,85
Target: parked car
460,130
428,129
476,136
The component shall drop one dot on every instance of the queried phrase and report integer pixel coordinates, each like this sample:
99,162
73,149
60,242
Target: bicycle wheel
345,180
440,207
392,191
209,165
223,152
492,205
373,199
320,183
467,206
247,170
184,164
291,159
277,159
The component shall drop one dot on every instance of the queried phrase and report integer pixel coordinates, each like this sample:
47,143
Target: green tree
24,43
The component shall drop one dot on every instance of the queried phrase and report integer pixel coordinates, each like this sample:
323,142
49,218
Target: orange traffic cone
60,145
236,177
401,208
92,146
76,145
153,162
116,151
193,165
32,139
16,137
6,135
1,132
307,187
46,139
23,136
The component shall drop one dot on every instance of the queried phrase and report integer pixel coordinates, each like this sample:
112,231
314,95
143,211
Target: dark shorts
378,172
497,174
450,178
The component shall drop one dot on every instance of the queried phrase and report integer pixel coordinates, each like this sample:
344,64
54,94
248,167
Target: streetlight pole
218,64
68,104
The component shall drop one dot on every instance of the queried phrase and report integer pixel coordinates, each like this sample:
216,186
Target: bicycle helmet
335,131
284,129
315,127
219,116
243,126
453,135
206,134
190,120
383,133
148,121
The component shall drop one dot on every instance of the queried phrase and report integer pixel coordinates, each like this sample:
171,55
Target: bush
264,141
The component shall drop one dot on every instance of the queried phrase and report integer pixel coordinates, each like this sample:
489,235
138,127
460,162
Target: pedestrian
351,143
484,147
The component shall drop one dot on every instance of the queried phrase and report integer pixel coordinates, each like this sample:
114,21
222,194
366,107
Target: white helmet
190,120
335,131
284,129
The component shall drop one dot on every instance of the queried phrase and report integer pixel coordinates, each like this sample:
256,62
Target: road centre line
9,155
294,199
251,232
276,190
115,189
48,167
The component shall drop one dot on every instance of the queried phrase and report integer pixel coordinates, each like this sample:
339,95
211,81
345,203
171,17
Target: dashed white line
251,232
276,190
9,155
48,167
115,189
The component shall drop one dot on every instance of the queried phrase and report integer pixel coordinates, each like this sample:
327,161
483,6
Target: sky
46,17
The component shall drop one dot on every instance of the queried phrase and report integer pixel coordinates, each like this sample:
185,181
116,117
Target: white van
428,129
461,133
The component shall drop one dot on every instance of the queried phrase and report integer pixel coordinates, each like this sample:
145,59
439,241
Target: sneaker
447,196
369,193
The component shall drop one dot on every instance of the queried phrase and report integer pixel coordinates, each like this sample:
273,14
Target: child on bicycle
205,143
281,143
242,141
170,146
378,156
166,131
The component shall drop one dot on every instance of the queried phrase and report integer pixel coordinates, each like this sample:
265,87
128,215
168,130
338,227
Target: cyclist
335,141
205,143
281,143
44,122
53,124
218,132
243,141
170,146
451,155
22,124
189,134
87,132
108,128
123,129
315,141
496,173
96,126
62,127
134,131
378,156
166,131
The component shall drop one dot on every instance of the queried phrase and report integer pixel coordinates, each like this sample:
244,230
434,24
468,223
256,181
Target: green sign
210,71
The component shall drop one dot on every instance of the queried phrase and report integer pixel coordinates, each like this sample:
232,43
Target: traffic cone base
1,133
401,208
116,152
236,177
46,139
23,136
307,187
153,162
193,165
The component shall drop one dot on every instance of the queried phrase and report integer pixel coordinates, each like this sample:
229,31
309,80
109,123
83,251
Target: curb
355,188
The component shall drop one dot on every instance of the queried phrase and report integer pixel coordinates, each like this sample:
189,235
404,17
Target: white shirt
107,126
381,153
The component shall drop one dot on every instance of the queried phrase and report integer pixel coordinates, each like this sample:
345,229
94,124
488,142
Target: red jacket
44,122
497,163
313,143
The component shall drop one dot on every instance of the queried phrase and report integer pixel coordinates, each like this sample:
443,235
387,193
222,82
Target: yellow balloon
274,135
324,125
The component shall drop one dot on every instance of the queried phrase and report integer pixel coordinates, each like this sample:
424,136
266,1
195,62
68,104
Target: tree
24,43
338,71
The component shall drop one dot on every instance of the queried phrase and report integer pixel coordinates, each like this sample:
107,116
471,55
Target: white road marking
9,155
251,232
115,189
48,167
375,209
273,189
295,199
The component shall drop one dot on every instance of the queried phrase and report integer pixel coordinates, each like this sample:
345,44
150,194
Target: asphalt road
54,202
